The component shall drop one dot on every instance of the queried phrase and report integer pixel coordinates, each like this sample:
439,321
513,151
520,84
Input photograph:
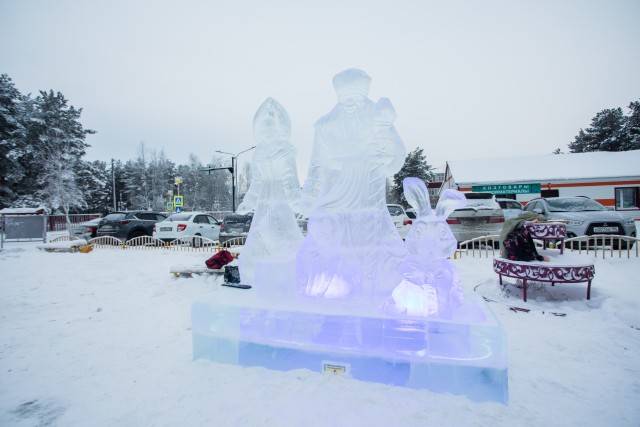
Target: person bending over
516,242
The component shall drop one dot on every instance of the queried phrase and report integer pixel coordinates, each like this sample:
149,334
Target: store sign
507,189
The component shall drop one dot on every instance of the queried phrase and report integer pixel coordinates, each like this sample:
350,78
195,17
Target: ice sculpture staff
268,256
352,246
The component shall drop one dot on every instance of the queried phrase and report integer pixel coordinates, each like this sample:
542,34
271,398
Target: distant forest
42,145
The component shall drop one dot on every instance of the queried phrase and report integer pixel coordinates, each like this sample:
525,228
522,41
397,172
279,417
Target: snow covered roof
601,164
23,211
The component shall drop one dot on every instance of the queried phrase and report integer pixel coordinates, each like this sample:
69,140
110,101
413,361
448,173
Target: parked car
129,224
235,225
583,216
510,208
188,224
400,219
481,217
303,221
86,230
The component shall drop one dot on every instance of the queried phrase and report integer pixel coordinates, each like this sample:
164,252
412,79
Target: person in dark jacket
516,243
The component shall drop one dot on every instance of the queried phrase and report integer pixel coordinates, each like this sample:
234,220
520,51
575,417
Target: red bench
559,269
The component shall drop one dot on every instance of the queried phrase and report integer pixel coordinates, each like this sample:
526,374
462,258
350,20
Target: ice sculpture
430,284
352,247
268,256
353,263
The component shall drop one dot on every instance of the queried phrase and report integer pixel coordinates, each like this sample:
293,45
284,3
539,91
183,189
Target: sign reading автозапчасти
507,188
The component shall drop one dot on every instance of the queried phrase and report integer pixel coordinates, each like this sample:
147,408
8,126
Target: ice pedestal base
463,355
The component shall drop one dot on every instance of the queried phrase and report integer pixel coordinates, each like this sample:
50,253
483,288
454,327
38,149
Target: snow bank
104,339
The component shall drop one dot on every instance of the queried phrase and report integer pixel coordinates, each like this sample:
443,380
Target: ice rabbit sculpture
431,283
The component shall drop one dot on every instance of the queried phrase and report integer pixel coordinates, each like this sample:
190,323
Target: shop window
627,198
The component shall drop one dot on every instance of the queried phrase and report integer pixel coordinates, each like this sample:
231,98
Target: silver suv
583,216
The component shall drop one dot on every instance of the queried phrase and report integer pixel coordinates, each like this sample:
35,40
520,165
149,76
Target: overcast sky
468,79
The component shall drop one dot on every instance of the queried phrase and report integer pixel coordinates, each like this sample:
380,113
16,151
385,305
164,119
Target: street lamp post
234,173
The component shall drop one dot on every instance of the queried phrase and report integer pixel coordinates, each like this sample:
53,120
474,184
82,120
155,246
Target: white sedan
187,224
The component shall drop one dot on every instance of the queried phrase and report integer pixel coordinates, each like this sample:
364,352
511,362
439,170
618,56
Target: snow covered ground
103,339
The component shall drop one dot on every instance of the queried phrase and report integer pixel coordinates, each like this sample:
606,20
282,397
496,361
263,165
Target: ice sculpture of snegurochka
268,256
431,283
352,248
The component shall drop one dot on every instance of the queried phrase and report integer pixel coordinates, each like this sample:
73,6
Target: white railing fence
486,246
599,245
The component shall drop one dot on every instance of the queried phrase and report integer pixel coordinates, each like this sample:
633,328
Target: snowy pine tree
609,131
60,190
94,180
632,128
415,165
53,135
14,109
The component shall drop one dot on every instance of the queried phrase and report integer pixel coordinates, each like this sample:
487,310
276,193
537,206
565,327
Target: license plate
165,228
605,229
473,221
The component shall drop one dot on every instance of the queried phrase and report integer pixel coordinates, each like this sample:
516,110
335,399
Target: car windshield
506,204
481,201
577,204
179,217
395,210
237,218
115,216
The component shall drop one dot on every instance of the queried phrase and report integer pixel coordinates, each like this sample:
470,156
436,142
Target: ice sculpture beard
351,102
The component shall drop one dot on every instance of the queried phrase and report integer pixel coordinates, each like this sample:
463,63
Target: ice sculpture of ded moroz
352,248
268,257
431,283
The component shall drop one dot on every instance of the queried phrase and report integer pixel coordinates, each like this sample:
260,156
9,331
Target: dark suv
130,224
235,225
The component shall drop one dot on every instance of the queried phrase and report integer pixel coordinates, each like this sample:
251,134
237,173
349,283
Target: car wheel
135,233
623,245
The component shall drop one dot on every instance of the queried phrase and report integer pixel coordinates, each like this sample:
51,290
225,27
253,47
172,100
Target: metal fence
186,243
59,222
599,245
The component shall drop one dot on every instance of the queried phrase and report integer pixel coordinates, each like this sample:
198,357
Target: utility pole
234,173
113,179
